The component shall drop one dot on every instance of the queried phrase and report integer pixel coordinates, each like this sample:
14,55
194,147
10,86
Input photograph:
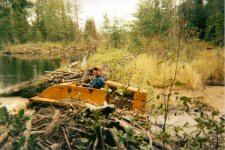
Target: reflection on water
14,70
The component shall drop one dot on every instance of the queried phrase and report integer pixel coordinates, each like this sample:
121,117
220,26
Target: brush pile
81,126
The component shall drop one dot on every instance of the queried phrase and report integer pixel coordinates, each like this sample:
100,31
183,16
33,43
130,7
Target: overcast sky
96,9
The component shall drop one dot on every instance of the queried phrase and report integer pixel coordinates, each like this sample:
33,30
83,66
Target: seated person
98,82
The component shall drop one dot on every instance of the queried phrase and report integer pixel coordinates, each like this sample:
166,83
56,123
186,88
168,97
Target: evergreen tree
153,17
53,21
90,32
193,12
215,21
106,30
13,21
116,36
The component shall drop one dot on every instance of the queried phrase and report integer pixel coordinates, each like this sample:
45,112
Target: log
67,140
54,122
114,134
49,129
105,110
56,146
126,125
4,137
156,142
8,144
41,146
77,130
101,140
27,89
28,130
95,143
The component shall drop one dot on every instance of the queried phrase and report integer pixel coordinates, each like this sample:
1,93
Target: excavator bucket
58,94
138,96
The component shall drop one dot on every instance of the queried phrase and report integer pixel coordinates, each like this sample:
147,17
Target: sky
96,8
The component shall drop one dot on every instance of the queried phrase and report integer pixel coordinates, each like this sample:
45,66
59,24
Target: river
14,70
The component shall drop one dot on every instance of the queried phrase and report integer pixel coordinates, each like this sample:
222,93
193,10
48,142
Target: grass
147,69
210,65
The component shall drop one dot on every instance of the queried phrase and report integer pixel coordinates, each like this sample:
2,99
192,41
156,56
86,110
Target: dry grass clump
148,70
210,65
144,70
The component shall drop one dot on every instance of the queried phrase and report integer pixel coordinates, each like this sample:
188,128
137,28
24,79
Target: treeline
57,20
167,20
45,20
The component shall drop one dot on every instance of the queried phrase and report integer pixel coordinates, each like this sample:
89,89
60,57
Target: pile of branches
84,126
72,73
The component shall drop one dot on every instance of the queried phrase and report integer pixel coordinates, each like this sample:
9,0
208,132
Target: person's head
97,71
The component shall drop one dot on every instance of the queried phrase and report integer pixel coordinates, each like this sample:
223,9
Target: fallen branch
51,126
101,141
41,146
114,134
54,122
4,137
55,146
67,141
77,130
105,110
27,133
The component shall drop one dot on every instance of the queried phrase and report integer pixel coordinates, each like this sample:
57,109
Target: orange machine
58,93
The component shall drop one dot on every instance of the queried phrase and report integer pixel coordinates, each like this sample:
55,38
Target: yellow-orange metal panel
59,92
139,101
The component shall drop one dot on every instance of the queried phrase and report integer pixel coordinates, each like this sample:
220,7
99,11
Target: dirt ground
13,104
214,96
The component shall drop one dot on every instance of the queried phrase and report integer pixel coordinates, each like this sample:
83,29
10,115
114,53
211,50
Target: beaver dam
113,125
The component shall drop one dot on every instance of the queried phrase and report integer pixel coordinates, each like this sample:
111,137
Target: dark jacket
97,83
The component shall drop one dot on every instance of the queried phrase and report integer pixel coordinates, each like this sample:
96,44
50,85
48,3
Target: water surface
14,70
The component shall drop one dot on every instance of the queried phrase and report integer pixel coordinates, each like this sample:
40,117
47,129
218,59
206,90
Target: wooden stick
8,144
4,137
56,146
67,141
51,126
28,130
40,145
95,143
101,141
78,130
114,134
54,122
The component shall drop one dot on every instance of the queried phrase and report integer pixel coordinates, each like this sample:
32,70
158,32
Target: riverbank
45,50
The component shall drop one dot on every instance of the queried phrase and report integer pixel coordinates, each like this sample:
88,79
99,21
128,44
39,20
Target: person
98,82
